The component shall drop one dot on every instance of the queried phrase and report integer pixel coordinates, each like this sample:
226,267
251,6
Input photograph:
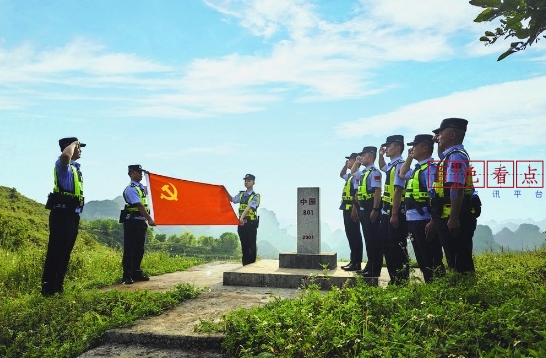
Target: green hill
25,222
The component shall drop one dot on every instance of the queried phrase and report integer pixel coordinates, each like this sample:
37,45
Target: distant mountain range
490,236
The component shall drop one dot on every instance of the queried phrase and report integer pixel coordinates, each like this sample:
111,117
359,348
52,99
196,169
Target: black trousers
63,230
352,230
458,249
394,243
429,254
247,236
134,237
372,239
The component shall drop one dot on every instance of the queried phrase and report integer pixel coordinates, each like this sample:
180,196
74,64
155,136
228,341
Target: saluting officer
451,197
66,203
369,202
350,214
135,228
425,241
393,221
249,201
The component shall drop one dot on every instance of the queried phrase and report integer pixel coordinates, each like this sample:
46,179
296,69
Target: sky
210,90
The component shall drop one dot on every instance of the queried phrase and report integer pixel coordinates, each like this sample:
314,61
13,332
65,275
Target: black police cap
352,156
458,123
423,138
372,150
394,139
65,142
136,167
249,177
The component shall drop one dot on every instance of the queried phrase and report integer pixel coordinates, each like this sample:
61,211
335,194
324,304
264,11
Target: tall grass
499,312
68,324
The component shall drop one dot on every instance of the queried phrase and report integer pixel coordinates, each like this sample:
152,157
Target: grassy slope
68,324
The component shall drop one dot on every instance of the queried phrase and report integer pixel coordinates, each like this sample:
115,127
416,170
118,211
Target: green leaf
489,33
514,23
485,3
510,5
484,39
507,53
522,34
480,17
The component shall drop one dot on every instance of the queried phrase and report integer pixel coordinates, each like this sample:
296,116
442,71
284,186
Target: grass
68,324
499,312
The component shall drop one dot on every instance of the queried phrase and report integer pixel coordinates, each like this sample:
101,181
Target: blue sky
284,89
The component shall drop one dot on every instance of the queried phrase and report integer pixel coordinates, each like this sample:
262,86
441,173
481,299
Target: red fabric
183,202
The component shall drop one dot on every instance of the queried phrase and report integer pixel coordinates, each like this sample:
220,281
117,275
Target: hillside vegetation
66,325
499,312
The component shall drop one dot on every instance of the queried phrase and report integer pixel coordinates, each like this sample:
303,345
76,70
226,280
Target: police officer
350,214
451,196
425,241
66,203
369,213
393,221
248,201
136,213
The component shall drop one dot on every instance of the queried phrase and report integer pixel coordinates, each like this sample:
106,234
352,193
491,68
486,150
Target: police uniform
394,240
370,179
249,231
134,230
453,173
352,228
66,203
428,253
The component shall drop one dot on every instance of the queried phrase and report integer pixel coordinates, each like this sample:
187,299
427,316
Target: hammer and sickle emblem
172,195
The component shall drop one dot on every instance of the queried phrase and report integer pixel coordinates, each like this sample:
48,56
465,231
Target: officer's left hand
373,216
454,226
394,221
354,214
241,221
430,230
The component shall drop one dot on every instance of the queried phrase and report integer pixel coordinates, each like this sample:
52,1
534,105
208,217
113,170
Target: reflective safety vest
388,189
364,193
442,192
347,193
132,208
417,192
243,203
77,192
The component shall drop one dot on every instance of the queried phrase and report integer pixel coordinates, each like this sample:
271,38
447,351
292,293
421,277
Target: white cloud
511,110
308,57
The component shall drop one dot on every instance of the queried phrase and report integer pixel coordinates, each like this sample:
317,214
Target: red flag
183,202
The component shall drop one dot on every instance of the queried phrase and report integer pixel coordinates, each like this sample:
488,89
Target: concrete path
171,334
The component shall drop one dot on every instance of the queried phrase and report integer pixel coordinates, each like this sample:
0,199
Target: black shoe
352,267
349,264
367,274
141,277
127,281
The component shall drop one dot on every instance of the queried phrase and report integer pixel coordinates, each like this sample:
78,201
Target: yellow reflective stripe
78,185
143,200
362,193
346,193
242,206
413,187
